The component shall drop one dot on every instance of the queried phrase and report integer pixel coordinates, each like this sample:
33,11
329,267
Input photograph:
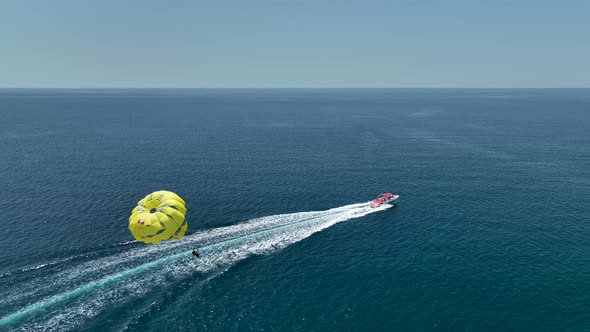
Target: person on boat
196,253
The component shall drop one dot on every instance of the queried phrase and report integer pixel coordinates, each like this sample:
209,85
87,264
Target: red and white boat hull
385,198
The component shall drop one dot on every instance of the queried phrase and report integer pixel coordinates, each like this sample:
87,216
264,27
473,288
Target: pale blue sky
294,43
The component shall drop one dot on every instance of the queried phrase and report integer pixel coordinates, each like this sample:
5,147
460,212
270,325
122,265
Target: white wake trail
91,287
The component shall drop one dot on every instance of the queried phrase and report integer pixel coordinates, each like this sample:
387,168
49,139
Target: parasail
158,216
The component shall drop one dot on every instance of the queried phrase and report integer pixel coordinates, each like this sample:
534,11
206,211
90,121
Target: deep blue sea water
492,231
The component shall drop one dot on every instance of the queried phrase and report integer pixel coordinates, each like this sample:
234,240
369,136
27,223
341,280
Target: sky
297,43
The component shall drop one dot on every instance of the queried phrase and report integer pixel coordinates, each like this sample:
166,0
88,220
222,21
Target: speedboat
383,199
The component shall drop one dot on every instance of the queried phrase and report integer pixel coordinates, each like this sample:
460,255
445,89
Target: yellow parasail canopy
158,216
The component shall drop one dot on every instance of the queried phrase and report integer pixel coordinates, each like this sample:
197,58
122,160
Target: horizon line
285,88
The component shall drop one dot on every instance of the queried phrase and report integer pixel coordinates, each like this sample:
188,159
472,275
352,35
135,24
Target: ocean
491,231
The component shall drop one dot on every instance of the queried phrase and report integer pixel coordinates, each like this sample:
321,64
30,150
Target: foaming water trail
36,267
82,291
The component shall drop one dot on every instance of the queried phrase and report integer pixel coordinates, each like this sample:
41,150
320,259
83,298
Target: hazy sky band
294,44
